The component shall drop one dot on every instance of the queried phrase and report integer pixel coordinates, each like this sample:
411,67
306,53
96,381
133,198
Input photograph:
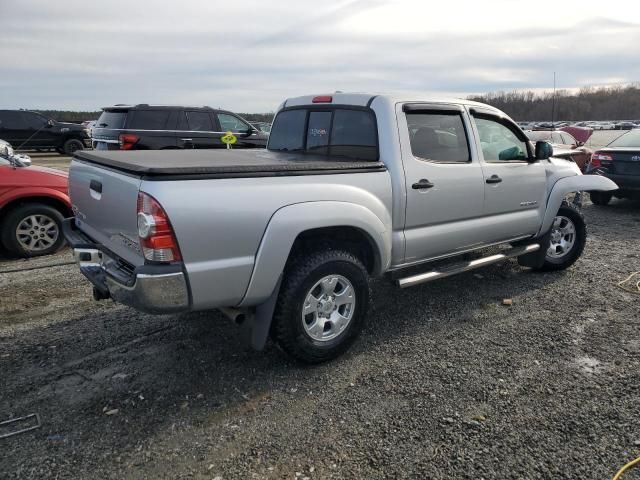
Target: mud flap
256,327
536,259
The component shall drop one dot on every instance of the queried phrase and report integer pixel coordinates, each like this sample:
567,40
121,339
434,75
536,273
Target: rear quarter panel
220,223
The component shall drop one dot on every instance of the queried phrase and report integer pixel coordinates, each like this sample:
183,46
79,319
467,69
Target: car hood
70,126
582,134
36,170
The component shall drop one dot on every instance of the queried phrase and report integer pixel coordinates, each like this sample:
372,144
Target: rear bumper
148,288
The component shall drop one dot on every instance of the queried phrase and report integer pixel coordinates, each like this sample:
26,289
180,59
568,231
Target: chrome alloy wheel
563,237
37,232
328,308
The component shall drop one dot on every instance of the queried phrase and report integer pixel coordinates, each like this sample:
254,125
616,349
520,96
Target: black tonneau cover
166,164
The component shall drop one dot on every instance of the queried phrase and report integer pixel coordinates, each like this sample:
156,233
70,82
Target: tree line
589,103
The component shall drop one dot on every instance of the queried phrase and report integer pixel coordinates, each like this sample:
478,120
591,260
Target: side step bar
465,266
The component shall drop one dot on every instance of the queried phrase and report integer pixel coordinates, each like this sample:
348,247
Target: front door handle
493,179
422,184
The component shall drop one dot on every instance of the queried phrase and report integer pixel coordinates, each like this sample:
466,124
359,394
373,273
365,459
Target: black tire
15,217
300,276
71,146
600,198
573,253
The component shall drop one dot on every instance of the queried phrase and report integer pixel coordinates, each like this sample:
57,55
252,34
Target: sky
249,55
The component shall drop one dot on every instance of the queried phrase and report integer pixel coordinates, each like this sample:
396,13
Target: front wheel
322,305
72,145
567,239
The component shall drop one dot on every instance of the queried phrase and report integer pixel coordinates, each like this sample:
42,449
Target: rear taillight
598,157
157,239
127,141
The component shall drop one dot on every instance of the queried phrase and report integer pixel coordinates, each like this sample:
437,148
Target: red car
33,203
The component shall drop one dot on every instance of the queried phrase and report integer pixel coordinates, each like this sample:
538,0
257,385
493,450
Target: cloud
250,55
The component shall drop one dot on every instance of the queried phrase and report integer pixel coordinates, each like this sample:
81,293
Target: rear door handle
422,184
493,179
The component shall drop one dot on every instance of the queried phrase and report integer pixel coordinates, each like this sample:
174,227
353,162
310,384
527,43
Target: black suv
30,130
156,127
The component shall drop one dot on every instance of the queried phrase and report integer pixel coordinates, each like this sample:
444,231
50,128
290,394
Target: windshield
631,139
112,119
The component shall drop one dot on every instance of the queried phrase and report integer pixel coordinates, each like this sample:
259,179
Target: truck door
444,181
201,131
40,133
515,188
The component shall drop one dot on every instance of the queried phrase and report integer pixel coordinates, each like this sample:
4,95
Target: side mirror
544,150
6,151
50,124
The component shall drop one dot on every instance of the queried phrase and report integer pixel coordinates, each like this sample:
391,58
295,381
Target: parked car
564,144
604,126
624,126
157,127
351,186
30,130
33,203
619,161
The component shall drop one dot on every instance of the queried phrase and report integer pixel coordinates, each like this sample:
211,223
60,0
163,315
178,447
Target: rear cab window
341,132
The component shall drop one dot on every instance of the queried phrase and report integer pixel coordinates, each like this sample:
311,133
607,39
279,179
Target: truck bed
169,164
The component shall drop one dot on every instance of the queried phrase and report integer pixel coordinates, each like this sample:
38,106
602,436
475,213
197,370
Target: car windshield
631,139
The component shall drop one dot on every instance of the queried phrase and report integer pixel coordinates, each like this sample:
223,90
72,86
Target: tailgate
105,205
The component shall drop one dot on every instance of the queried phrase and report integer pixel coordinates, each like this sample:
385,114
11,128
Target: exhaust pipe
236,315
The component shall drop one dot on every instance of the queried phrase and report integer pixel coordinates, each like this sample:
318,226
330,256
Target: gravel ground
446,382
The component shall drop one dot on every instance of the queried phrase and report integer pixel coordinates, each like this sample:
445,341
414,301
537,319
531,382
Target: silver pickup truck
351,186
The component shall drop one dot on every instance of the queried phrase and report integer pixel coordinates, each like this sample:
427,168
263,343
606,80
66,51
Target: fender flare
290,221
566,185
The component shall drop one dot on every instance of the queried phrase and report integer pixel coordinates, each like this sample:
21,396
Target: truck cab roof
367,99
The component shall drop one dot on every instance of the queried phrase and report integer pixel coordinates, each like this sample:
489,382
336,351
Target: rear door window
14,121
149,119
200,121
339,132
438,137
112,119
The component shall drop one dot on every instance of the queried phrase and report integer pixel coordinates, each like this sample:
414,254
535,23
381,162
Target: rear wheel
322,305
32,230
567,239
600,198
72,145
